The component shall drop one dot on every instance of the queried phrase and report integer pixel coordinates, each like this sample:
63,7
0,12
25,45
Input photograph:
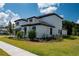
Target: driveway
13,50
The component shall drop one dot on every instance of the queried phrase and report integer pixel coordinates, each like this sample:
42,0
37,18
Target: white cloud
2,5
3,17
42,5
62,16
12,16
2,14
77,22
7,16
47,7
48,10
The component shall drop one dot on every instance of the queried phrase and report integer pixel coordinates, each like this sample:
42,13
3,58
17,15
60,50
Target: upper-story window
17,23
26,20
30,20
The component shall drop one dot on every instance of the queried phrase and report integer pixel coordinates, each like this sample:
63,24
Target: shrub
19,34
66,36
71,37
32,34
57,37
45,37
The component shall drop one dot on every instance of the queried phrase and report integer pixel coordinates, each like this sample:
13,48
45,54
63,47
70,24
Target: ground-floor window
25,30
60,32
50,31
34,27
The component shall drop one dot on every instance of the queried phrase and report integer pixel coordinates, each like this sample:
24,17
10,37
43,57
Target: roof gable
49,15
21,20
38,17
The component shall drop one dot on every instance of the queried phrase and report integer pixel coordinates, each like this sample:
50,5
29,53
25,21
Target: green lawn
2,53
63,48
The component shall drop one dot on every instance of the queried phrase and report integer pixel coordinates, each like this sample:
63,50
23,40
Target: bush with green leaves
32,34
19,34
70,37
45,36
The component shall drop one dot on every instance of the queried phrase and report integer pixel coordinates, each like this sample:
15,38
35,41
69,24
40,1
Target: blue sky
70,11
14,11
24,10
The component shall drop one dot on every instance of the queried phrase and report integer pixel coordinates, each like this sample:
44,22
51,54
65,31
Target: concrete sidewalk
14,51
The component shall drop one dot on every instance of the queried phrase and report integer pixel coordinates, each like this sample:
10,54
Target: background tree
71,27
76,29
10,29
68,25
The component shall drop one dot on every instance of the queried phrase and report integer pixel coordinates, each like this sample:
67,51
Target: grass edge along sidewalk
63,48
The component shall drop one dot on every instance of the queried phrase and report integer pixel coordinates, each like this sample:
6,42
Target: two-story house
44,25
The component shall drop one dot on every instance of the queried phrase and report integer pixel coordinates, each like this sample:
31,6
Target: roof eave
38,24
50,15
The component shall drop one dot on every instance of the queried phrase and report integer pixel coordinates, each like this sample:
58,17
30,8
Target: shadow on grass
70,37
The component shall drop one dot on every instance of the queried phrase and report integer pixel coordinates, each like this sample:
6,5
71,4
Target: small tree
10,28
19,34
32,34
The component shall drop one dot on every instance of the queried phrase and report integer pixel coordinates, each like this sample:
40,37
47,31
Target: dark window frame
25,30
34,27
60,32
30,20
17,23
50,31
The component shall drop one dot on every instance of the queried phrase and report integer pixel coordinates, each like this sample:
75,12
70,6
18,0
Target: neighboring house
3,30
45,25
64,32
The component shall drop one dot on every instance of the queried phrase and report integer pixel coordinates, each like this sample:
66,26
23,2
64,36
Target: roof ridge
49,15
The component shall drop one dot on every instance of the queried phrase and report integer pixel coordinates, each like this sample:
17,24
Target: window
34,28
60,32
30,20
26,20
50,31
17,23
25,30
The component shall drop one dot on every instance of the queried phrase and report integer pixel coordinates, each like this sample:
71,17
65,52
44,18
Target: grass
63,48
71,37
2,53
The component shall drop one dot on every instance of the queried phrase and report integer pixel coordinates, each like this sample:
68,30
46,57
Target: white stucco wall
55,21
21,22
34,20
28,29
42,30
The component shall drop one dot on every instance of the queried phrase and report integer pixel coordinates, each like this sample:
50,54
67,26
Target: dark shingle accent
21,19
38,24
49,15
38,17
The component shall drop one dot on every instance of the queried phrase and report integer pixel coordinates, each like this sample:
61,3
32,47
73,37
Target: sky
14,11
